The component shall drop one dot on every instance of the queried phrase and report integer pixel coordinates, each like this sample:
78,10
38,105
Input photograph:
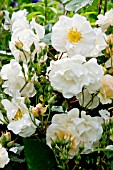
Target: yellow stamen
18,115
74,36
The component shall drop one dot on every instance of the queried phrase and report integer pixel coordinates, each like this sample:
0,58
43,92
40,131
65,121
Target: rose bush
56,84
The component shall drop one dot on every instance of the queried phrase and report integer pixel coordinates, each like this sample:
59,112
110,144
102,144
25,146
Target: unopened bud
27,102
10,144
2,139
111,71
7,136
107,50
52,100
110,39
18,45
1,14
38,110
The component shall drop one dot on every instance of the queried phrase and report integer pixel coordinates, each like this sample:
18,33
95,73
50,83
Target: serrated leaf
75,5
38,155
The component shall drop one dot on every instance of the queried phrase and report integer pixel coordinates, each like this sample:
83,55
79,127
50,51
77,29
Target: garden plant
56,85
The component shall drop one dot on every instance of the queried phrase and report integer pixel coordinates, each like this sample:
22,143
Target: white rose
19,119
63,128
89,128
26,37
106,91
15,80
73,35
104,21
4,159
82,131
68,76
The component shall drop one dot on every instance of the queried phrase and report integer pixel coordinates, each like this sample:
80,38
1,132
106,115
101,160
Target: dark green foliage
38,155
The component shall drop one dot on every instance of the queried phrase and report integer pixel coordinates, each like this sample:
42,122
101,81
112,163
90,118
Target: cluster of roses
75,72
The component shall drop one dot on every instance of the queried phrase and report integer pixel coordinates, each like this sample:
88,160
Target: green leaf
75,5
14,158
32,14
38,155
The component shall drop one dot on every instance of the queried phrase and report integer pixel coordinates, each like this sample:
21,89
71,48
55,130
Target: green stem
45,12
33,120
91,101
48,116
111,57
24,54
3,122
82,97
99,7
51,56
105,6
23,87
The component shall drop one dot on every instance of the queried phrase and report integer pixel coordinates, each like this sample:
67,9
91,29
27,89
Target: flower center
74,36
18,115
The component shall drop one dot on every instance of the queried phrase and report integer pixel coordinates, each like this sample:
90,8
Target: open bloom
19,119
23,39
84,131
70,75
15,80
106,91
104,21
89,128
4,159
73,35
